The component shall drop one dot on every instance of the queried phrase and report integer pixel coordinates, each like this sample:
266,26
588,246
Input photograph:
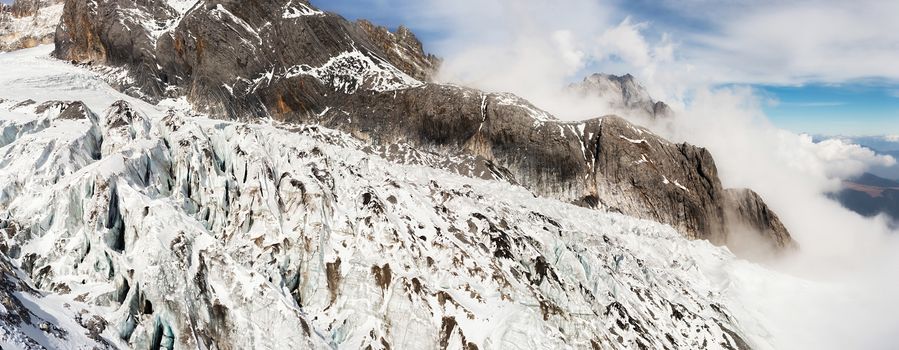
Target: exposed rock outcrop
28,23
403,50
234,60
647,176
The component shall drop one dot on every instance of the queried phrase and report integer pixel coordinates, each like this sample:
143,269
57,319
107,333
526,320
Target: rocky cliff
288,61
28,23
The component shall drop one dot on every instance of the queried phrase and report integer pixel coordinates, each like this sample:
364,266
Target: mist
838,290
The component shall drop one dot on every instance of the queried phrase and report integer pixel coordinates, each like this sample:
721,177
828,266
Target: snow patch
299,10
353,70
634,141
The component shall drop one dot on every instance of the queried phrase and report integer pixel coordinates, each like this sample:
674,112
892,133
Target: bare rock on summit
289,61
403,50
623,94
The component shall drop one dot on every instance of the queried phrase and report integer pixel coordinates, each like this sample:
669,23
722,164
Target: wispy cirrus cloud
789,42
813,104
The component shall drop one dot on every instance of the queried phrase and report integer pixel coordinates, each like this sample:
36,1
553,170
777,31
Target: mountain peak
403,49
623,93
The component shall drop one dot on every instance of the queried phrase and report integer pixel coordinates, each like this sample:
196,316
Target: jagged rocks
647,176
403,50
28,23
755,227
30,320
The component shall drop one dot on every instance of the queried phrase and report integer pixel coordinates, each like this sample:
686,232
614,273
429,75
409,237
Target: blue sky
821,67
846,109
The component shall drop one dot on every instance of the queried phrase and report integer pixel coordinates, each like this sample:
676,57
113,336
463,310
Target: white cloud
843,160
572,55
626,42
529,47
792,173
798,42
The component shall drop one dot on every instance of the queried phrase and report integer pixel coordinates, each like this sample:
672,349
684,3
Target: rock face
402,49
28,23
644,175
623,94
233,60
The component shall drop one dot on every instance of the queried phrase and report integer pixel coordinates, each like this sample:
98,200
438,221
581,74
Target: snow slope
182,231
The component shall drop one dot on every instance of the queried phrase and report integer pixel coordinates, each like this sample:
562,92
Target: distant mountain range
870,195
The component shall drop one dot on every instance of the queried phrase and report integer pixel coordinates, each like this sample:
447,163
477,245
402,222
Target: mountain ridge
870,195
335,70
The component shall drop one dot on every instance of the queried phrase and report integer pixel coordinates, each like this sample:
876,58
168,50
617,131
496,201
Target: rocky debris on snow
31,320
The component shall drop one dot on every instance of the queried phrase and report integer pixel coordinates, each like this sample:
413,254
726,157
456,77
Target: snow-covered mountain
201,180
233,61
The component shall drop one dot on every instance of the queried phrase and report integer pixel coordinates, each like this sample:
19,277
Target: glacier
133,225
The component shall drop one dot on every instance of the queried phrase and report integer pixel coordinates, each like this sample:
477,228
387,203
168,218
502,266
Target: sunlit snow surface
302,238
